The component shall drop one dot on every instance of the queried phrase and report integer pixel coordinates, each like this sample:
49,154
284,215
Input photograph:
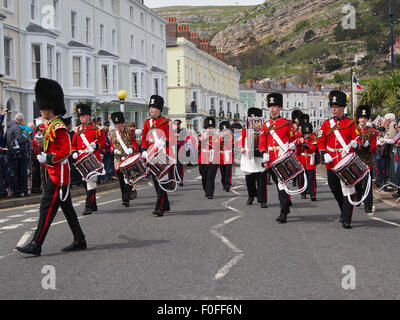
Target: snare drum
287,167
159,164
351,170
89,166
134,168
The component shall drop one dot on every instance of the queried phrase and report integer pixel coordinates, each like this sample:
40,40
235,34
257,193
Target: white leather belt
273,148
307,154
334,150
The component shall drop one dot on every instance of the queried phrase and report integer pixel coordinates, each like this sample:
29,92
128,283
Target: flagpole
351,83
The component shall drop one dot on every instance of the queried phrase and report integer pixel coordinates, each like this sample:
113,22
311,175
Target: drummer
277,137
337,138
366,151
123,145
156,137
88,139
226,154
307,144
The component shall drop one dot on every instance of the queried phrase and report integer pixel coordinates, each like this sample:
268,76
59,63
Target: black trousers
346,208
48,210
162,196
36,177
311,183
126,188
360,188
90,197
257,186
226,175
284,198
208,173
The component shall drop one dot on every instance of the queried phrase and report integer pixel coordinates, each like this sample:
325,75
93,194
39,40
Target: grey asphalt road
206,249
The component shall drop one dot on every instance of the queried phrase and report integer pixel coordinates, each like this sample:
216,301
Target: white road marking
226,241
226,268
12,227
24,239
7,255
31,220
103,203
4,220
17,216
32,211
385,221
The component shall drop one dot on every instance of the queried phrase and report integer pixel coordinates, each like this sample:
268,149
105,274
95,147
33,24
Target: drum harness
346,150
284,148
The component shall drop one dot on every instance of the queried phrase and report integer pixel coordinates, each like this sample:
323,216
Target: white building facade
93,48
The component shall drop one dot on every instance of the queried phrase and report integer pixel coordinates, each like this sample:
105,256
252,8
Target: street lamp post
391,32
351,85
122,96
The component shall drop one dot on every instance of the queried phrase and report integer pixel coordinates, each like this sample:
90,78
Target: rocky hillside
301,40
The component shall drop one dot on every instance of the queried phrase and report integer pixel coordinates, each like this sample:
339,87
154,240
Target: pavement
205,249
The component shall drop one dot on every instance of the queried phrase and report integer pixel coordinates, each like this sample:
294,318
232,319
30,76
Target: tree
333,64
309,35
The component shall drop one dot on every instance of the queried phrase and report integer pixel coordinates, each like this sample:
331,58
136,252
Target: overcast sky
165,3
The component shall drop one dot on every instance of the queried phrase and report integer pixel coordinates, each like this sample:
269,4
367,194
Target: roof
107,54
155,69
133,61
39,29
78,44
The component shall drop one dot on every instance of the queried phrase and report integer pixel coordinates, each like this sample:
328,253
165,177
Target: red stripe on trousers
48,213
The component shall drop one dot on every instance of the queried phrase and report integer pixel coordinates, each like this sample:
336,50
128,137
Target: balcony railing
221,114
212,112
229,115
236,116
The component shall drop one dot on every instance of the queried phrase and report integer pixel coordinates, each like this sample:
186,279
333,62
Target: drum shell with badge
89,166
351,170
287,167
159,163
133,168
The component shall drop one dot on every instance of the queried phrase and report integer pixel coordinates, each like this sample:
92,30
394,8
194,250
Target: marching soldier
366,151
208,145
156,137
56,149
337,138
296,116
180,135
251,161
123,145
306,147
277,137
88,139
226,154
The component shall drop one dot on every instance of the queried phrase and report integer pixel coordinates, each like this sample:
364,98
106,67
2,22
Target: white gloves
328,158
354,144
42,158
138,132
160,144
366,144
93,145
144,154
389,141
75,155
130,151
117,152
292,146
265,157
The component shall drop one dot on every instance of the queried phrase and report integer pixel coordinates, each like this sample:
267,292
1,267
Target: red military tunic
57,146
92,134
209,149
369,134
284,130
328,142
306,155
226,149
155,130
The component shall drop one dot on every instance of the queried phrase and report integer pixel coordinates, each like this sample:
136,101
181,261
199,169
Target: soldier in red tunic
226,154
337,138
88,139
306,146
277,137
366,151
156,137
56,150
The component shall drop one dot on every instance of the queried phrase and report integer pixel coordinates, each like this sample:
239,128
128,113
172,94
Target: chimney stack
267,84
172,28
183,31
194,38
220,56
249,84
213,51
204,46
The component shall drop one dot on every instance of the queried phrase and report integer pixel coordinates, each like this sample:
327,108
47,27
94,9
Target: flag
356,83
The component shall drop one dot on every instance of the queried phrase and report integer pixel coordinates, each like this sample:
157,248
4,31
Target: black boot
264,205
87,212
76,246
158,212
33,248
282,218
304,196
347,225
250,201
